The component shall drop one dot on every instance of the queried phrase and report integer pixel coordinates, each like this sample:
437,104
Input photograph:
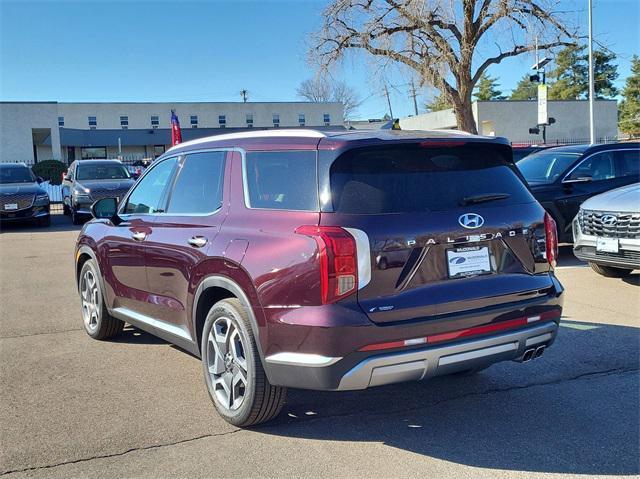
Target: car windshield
16,175
102,172
547,166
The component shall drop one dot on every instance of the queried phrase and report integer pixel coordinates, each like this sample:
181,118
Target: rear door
451,227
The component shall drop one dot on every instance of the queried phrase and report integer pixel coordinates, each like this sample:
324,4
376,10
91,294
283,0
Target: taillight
337,255
551,234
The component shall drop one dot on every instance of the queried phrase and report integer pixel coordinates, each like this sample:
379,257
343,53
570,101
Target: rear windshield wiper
472,200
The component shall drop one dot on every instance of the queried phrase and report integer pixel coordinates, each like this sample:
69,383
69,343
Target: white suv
606,232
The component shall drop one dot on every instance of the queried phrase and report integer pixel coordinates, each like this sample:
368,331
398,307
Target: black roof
586,148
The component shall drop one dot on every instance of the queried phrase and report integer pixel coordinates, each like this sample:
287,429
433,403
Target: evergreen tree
525,90
440,102
569,79
630,106
487,89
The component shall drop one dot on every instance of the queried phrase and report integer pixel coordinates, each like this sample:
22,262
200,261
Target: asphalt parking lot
74,407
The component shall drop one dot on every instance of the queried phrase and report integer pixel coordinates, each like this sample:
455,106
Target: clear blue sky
208,51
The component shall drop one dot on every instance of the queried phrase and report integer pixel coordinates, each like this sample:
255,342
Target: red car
261,252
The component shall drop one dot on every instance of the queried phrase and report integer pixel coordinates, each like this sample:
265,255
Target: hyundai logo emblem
471,221
609,220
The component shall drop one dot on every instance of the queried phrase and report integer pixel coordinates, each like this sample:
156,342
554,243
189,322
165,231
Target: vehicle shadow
567,258
132,335
573,411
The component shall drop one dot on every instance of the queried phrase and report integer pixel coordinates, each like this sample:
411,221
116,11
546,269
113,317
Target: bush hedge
50,170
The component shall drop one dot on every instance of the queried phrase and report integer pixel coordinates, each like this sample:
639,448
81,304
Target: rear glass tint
282,180
412,178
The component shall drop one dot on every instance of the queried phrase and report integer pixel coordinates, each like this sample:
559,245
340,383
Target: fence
564,141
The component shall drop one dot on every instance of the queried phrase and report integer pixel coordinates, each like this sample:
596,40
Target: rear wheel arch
212,289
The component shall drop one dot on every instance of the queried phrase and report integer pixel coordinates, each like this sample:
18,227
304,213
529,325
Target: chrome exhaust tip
539,352
528,355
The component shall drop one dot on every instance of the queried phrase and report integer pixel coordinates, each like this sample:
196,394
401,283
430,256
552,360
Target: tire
98,323
610,271
45,222
65,208
382,264
76,219
230,358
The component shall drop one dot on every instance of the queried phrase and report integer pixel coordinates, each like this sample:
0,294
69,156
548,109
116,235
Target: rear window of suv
418,178
281,180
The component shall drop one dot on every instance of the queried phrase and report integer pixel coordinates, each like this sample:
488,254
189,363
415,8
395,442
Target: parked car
520,152
21,196
562,178
606,232
256,251
87,181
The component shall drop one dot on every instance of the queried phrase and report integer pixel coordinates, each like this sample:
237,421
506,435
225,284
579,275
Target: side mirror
105,208
578,179
39,179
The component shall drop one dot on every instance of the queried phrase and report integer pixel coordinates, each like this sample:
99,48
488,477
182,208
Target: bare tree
320,89
439,38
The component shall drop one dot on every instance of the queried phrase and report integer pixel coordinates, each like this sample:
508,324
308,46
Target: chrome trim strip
364,256
301,359
126,314
479,353
538,339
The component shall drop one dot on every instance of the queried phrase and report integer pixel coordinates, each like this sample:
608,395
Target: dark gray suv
88,181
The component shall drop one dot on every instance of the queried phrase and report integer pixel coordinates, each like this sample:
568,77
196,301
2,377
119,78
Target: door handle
197,241
139,235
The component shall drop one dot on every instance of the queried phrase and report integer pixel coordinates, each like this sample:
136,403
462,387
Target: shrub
50,170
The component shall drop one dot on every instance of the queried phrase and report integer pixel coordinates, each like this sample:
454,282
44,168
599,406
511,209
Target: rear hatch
451,227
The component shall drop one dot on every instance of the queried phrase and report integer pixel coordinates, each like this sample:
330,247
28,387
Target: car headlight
41,200
81,198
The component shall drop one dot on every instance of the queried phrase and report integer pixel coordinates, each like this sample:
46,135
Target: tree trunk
464,117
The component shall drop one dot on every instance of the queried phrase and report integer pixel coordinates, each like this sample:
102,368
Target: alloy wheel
90,300
227,363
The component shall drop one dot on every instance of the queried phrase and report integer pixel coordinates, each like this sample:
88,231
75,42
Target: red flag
176,134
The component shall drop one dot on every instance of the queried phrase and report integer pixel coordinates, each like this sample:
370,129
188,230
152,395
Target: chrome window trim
245,182
612,150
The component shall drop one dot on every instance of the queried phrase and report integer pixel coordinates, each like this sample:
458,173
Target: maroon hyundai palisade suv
330,261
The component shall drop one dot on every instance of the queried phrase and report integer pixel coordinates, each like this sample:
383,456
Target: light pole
592,133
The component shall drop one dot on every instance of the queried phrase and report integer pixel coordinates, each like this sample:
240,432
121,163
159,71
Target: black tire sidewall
229,310
89,264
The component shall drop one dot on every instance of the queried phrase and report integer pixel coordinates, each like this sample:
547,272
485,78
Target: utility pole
386,92
592,133
414,96
244,94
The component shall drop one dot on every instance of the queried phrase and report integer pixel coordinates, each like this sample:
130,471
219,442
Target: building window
327,119
249,120
301,120
124,122
61,121
155,121
93,122
194,121
158,150
222,121
95,152
276,120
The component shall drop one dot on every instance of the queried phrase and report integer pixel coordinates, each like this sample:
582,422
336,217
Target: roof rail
279,133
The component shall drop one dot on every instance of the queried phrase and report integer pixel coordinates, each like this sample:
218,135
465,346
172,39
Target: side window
628,163
282,180
148,194
198,187
598,167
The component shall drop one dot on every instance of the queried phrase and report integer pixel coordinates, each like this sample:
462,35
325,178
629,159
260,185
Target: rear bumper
584,248
364,370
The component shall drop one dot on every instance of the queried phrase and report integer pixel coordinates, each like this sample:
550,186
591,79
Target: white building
37,131
512,119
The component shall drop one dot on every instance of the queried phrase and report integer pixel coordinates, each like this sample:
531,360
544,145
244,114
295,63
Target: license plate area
607,245
468,261
10,206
